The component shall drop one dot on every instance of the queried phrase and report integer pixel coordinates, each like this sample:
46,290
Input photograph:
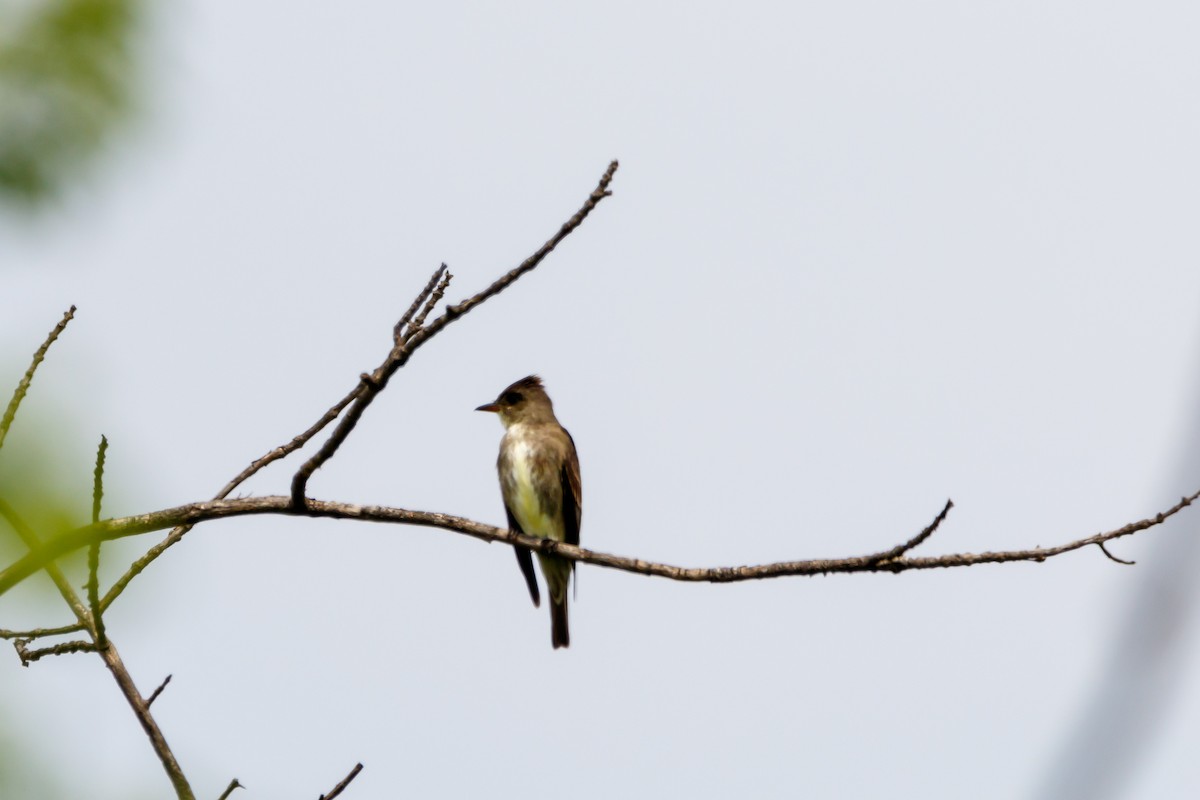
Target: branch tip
336,790
10,413
233,784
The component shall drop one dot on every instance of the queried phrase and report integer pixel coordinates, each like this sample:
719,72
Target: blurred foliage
66,74
49,496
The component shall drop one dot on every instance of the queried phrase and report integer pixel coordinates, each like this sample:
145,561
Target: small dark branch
218,509
154,695
904,547
406,343
233,784
1104,550
434,298
343,429
62,648
38,633
93,584
398,333
335,791
11,412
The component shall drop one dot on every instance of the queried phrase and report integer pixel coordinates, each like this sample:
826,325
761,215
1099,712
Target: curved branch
408,341
196,513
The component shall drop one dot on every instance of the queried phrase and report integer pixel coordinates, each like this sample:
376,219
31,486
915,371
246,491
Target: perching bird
539,480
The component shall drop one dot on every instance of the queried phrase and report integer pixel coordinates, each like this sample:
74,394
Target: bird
541,487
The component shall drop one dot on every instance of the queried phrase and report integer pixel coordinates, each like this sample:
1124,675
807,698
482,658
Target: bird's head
525,401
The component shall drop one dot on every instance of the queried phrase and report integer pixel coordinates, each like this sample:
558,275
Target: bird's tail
559,632
558,577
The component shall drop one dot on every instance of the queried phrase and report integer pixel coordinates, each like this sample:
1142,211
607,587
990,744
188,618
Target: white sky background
860,257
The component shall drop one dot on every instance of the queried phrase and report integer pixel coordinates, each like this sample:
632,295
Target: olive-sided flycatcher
539,480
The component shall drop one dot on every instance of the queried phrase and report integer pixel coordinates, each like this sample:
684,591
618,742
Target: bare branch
335,791
453,312
141,710
219,509
408,344
11,412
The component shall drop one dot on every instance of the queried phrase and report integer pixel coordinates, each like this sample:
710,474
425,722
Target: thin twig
233,784
1104,550
11,412
219,509
904,547
154,695
93,584
38,633
406,345
335,791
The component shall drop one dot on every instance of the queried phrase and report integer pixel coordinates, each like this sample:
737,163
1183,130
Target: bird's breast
528,490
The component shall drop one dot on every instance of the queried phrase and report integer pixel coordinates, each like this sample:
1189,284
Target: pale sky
860,257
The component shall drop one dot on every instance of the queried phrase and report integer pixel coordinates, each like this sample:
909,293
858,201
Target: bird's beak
489,407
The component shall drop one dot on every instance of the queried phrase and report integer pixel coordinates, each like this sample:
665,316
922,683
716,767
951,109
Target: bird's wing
524,559
572,492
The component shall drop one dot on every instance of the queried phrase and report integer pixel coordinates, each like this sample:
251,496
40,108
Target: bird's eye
512,398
